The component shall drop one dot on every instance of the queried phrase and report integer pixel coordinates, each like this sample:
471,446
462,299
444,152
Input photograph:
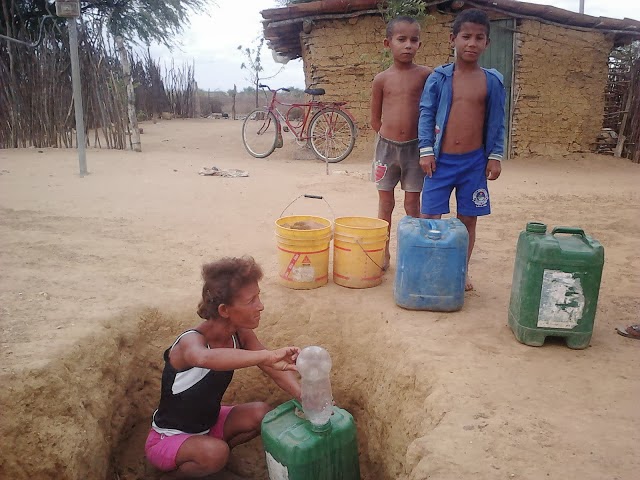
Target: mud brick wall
560,77
343,56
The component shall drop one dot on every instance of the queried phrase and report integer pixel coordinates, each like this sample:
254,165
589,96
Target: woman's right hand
282,359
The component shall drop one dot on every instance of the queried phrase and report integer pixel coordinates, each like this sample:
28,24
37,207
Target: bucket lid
434,234
536,227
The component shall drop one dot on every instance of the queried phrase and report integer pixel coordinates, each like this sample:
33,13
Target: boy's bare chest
470,88
406,88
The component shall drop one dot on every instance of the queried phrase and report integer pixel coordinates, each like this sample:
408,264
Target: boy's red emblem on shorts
380,171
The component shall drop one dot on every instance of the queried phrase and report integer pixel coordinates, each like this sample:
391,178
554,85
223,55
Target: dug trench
86,414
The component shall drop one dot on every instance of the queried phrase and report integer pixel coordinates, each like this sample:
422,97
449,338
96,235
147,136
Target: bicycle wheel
332,135
260,133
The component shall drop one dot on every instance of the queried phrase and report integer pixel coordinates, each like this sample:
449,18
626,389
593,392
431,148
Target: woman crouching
191,431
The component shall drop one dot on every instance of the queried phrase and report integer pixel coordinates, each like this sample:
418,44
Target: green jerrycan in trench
556,282
298,450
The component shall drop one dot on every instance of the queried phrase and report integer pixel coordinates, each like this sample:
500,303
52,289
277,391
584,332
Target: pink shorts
161,451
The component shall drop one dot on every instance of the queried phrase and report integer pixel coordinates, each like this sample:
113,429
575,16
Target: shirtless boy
394,116
461,128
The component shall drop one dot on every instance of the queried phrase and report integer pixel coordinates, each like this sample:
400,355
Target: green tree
142,21
395,8
254,67
253,64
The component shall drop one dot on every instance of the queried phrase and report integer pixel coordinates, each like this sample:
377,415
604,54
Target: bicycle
327,127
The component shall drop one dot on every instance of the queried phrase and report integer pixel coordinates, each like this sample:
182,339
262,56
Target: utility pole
70,9
581,6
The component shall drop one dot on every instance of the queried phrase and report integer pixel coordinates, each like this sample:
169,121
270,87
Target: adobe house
555,62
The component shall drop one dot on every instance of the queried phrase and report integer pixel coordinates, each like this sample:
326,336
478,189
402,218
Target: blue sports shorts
466,172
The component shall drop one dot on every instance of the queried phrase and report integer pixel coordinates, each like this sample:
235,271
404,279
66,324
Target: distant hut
555,62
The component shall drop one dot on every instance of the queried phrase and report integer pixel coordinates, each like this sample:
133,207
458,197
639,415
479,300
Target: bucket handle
307,195
357,240
367,254
570,230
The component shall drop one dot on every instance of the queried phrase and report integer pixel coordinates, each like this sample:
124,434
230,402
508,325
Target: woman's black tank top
190,399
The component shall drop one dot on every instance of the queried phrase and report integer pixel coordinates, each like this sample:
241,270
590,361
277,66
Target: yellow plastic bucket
303,254
358,251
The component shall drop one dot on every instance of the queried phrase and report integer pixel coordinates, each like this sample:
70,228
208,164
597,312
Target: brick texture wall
559,80
560,77
343,56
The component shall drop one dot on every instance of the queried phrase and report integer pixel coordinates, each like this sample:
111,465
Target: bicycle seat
314,91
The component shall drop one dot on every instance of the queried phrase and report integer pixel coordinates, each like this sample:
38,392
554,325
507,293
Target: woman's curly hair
222,279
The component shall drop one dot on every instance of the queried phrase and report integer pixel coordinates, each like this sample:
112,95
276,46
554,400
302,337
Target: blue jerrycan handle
570,230
430,230
425,225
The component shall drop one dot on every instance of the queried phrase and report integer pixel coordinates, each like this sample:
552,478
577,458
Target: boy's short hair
394,21
472,15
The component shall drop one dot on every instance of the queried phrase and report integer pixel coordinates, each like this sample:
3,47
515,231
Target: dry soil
100,273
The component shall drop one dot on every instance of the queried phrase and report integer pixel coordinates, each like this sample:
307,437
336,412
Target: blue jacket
435,105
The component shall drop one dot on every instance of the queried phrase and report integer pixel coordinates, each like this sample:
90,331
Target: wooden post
257,83
198,112
623,124
131,99
233,104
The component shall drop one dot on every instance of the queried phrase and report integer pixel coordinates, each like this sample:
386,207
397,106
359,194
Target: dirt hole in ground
96,402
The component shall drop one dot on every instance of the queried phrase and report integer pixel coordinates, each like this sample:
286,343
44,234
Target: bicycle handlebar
262,85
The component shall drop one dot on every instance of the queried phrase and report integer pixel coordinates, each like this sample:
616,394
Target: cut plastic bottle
314,366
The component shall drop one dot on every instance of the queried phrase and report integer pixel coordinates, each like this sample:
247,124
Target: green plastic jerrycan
297,450
556,281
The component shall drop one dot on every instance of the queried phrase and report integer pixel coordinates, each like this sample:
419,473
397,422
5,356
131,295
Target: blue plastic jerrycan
431,265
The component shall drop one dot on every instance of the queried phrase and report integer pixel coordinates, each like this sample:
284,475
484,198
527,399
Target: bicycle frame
309,109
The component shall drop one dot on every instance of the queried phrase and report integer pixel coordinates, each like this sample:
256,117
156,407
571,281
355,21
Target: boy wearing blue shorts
461,128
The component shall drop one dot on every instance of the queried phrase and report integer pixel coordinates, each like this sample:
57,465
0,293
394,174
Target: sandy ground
99,273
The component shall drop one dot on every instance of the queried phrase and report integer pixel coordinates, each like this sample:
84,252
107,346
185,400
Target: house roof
282,26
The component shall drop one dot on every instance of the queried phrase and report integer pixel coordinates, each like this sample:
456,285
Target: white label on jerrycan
277,471
561,300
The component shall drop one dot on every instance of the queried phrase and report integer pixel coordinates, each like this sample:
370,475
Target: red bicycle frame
309,108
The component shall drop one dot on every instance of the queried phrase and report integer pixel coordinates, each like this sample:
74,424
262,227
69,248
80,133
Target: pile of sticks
630,125
622,105
171,89
36,97
36,102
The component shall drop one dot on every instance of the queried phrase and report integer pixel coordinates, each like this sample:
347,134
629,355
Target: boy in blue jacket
461,128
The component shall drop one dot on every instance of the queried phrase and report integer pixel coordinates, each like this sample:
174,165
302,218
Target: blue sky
211,41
